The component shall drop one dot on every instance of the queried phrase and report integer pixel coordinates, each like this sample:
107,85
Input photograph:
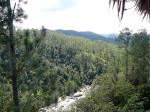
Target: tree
142,6
10,14
139,51
124,40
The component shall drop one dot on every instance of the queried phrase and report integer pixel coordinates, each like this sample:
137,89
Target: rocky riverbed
66,103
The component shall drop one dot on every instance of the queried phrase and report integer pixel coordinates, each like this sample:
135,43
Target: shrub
134,104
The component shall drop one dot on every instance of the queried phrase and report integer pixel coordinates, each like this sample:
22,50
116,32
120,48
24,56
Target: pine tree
8,15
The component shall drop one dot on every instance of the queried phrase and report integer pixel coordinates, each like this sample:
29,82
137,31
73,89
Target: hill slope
86,34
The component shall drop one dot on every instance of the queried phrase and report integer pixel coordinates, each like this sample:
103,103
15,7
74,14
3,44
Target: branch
14,11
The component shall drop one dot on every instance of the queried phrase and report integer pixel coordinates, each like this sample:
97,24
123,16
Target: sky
80,15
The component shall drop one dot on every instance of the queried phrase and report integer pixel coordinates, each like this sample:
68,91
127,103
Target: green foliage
86,105
122,91
70,87
50,68
140,52
119,96
100,97
59,65
144,91
134,104
116,92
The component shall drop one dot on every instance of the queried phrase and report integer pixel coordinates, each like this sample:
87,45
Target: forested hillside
90,35
123,87
58,66
52,65
38,66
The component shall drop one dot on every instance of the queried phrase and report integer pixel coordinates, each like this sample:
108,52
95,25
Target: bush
99,100
144,91
70,87
86,105
122,91
134,104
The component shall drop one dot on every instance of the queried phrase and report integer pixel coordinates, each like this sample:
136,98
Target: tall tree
16,60
139,51
9,14
124,40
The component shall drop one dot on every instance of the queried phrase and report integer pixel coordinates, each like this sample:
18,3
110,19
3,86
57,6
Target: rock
78,94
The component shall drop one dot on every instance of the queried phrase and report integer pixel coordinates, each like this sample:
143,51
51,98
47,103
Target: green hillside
45,70
89,35
59,66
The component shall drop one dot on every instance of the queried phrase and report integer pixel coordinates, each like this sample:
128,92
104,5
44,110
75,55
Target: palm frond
141,6
120,6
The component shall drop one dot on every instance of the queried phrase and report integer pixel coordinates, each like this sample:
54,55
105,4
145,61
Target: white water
66,104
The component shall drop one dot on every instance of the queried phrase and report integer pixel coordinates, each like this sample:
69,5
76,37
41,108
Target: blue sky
81,15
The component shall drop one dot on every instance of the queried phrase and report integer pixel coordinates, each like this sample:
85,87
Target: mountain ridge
89,35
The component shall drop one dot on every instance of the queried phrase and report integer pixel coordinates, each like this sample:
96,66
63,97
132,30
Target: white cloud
83,15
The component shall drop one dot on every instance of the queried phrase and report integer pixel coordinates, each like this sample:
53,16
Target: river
66,103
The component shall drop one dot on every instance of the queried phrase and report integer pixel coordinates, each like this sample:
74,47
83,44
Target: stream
66,103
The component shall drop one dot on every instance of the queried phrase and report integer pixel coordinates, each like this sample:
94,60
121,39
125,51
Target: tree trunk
127,56
126,64
15,94
12,56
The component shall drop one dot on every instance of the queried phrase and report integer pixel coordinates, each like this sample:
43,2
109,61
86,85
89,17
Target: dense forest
58,66
39,66
124,87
